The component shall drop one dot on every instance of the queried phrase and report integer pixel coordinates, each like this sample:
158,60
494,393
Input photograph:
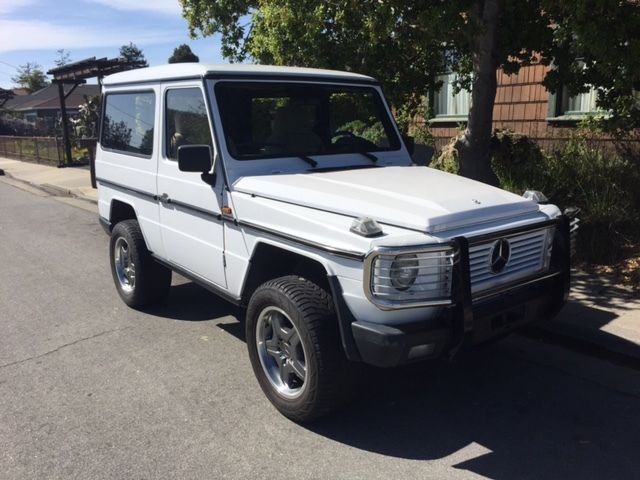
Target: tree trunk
474,147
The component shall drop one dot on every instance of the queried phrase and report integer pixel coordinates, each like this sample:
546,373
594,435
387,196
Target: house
522,105
42,108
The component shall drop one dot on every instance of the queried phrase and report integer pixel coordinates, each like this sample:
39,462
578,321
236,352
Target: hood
419,198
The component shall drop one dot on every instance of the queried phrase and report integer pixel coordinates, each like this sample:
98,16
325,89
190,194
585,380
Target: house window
568,106
564,106
581,103
450,105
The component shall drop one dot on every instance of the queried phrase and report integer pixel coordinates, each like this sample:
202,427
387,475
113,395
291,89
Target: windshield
268,120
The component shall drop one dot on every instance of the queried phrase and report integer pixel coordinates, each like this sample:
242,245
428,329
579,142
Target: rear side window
187,120
128,122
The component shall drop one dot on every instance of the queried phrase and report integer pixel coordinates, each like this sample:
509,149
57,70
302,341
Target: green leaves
132,54
183,54
31,76
407,44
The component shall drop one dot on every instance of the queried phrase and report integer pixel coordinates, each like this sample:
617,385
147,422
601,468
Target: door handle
164,198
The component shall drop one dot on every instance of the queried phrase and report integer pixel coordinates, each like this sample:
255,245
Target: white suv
291,191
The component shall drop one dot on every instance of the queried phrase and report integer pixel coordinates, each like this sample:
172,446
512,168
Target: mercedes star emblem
500,254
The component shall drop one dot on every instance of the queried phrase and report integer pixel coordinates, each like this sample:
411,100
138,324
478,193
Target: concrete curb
602,345
53,190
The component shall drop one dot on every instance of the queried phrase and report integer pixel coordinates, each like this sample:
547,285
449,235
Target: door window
187,120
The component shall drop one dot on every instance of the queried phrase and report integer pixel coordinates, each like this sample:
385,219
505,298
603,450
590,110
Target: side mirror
194,158
410,143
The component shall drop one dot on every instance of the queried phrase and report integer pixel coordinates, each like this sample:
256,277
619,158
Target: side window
187,120
128,122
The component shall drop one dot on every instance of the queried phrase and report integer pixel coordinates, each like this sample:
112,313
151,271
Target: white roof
177,71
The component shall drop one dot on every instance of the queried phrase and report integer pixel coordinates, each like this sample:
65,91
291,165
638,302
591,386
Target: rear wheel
294,347
139,279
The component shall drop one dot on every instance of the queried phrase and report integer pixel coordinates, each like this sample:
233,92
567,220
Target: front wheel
294,348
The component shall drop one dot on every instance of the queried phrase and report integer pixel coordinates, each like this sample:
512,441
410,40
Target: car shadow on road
582,328
190,302
490,412
527,421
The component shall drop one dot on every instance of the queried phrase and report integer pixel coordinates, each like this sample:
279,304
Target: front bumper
469,321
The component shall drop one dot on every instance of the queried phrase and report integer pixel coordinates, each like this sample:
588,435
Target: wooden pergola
77,73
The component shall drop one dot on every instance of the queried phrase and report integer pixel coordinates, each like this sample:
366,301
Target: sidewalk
65,182
602,316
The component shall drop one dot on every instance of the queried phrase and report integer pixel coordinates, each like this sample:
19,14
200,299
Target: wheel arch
120,210
271,260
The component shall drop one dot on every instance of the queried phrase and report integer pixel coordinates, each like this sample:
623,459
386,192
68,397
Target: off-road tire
152,280
329,375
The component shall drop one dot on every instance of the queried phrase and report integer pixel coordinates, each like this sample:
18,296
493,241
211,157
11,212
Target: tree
5,96
64,57
183,54
132,54
31,76
406,44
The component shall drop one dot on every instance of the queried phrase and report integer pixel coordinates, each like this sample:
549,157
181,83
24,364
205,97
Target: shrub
374,132
605,187
601,183
447,160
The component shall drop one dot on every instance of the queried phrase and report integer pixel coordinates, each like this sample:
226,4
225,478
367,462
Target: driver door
190,209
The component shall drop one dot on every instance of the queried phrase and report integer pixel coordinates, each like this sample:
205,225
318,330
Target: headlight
404,271
409,277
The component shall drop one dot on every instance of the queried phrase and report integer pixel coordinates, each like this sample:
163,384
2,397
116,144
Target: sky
32,31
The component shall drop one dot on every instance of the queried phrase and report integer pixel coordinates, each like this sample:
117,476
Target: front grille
528,255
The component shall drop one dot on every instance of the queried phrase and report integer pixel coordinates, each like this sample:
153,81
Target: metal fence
35,149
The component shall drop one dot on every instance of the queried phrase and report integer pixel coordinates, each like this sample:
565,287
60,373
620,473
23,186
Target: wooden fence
49,150
35,149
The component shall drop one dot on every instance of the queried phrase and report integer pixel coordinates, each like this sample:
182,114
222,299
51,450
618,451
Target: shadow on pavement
190,302
528,421
580,328
602,291
532,422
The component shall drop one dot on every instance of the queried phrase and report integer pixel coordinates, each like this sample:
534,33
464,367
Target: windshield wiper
368,155
309,160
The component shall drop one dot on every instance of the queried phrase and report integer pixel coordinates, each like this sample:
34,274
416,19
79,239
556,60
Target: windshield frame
290,163
387,122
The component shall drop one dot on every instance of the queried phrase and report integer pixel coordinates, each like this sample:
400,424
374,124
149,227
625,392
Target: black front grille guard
461,282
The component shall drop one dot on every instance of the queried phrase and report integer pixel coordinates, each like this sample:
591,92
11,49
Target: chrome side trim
119,186
169,201
326,248
415,249
193,208
317,246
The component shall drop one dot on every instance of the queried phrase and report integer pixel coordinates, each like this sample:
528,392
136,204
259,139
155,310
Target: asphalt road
92,389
